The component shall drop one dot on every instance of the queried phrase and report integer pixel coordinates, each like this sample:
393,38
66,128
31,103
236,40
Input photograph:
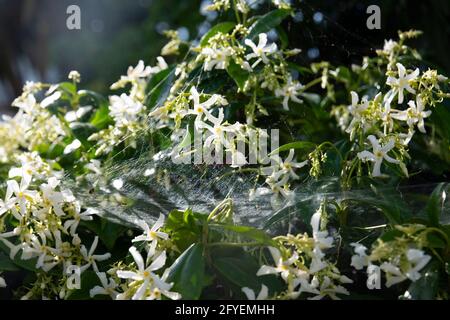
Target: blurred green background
36,45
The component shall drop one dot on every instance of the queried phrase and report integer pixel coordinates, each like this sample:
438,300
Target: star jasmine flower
360,259
216,58
283,267
201,109
152,235
57,199
263,294
161,65
418,260
50,99
92,258
124,109
23,195
108,287
146,275
357,111
393,274
290,91
72,224
379,154
328,288
403,82
414,114
260,51
217,131
9,202
288,165
134,74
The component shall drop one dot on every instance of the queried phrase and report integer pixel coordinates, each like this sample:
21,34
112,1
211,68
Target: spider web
203,187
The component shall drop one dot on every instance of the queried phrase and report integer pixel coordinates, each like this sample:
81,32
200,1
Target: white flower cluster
321,278
141,281
389,130
33,125
127,110
47,219
402,266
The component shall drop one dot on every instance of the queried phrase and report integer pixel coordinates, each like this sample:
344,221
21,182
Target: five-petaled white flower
92,258
108,287
150,280
263,294
201,109
260,51
152,234
290,91
403,82
414,114
379,154
283,267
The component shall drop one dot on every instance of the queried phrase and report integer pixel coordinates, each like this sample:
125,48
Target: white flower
134,75
286,167
23,195
74,76
92,258
217,132
76,144
393,274
72,224
150,281
201,109
162,65
124,109
328,288
153,234
379,154
263,294
216,58
57,199
290,91
260,51
402,82
414,114
107,287
283,267
418,260
2,283
8,203
389,46
357,110
360,258
50,99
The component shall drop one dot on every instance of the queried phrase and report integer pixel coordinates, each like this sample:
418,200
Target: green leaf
184,227
101,118
238,74
223,27
239,271
24,264
427,286
268,22
247,232
159,88
6,264
187,273
294,145
435,203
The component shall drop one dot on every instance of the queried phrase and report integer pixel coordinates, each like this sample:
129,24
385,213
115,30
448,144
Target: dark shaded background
36,45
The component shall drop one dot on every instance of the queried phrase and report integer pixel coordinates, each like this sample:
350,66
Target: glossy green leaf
187,273
268,22
223,27
159,88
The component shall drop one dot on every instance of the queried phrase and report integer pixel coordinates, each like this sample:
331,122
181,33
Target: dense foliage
348,206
